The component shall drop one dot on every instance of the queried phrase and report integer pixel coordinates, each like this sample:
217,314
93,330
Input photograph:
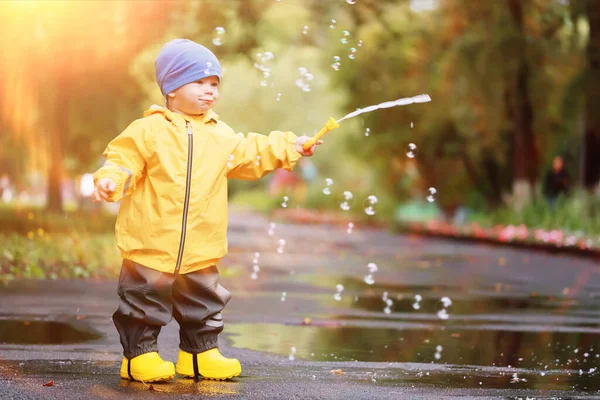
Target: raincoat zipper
187,193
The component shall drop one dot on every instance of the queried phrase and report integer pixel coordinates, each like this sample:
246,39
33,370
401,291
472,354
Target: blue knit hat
182,61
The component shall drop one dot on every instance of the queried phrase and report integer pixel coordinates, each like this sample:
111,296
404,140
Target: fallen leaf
155,389
337,371
455,335
49,383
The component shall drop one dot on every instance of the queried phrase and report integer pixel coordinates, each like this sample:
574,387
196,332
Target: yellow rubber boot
211,365
148,367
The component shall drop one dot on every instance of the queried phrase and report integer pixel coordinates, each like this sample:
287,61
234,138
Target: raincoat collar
179,120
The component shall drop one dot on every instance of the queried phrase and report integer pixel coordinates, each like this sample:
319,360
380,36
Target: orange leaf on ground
337,372
49,383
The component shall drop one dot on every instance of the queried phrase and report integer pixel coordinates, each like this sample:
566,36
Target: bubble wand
333,124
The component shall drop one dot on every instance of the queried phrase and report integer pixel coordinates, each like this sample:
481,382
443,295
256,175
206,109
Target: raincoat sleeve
125,160
256,155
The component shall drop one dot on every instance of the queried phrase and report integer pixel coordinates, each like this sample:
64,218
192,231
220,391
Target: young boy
170,171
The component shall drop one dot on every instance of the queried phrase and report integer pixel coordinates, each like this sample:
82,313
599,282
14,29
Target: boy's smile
194,98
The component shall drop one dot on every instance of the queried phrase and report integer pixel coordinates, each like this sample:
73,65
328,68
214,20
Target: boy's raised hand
104,188
300,143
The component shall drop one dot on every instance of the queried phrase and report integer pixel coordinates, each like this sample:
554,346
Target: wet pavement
436,319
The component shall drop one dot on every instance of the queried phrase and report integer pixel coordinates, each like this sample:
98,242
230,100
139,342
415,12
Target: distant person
557,182
170,169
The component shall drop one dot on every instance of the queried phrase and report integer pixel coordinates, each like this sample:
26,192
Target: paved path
520,324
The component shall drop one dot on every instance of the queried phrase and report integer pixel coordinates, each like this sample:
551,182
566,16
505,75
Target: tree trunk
591,163
524,149
57,131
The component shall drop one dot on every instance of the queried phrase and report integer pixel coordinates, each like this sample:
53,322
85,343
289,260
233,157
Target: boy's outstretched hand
300,142
104,188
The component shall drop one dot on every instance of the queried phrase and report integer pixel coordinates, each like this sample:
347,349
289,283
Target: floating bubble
352,53
218,35
256,257
367,131
278,97
345,37
339,287
369,279
432,194
304,81
257,162
272,228
347,200
387,310
336,65
384,296
281,247
446,302
411,150
417,304
333,22
283,294
350,227
305,30
351,1
337,296
369,205
328,182
412,125
264,83
292,354
284,204
256,268
254,276
372,267
230,159
359,43
389,302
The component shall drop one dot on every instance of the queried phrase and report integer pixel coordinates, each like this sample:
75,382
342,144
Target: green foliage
576,214
60,256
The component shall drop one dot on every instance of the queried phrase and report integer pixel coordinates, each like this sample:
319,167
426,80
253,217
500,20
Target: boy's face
195,98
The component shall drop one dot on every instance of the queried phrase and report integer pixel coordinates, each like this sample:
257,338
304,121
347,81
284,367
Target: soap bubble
352,53
345,37
337,297
339,287
278,97
432,194
256,268
369,205
444,308
359,43
336,65
327,190
305,30
369,279
272,228
347,200
283,294
350,227
367,131
411,150
254,276
218,35
351,1
285,200
304,81
257,162
333,22
372,267
230,159
412,125
281,247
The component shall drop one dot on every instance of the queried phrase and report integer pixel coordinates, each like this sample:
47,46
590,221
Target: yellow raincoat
171,173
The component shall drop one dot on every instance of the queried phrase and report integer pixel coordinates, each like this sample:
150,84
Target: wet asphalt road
518,323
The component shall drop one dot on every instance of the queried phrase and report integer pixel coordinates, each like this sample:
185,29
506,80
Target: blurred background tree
513,83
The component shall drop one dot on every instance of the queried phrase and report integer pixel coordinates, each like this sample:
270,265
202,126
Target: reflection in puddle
44,332
187,386
544,352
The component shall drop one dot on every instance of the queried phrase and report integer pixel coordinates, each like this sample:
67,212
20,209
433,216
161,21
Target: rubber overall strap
195,363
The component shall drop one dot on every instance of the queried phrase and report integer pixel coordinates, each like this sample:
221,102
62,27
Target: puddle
542,352
14,331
